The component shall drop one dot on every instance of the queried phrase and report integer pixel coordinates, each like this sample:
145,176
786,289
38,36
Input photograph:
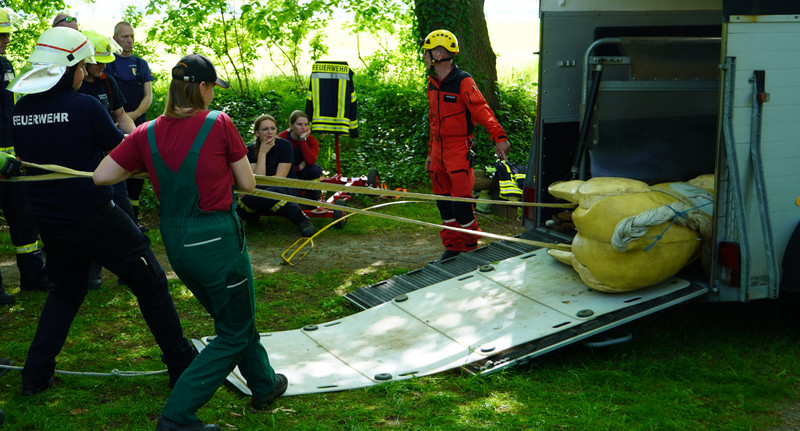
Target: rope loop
634,227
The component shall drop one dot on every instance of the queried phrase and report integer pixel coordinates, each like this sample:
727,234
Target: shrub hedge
393,123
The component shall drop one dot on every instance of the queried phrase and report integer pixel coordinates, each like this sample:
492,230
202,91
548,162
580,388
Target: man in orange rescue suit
455,105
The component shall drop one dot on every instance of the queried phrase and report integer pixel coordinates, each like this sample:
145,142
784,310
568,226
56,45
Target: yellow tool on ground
301,243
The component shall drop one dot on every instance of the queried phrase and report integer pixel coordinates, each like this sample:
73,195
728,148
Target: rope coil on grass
113,373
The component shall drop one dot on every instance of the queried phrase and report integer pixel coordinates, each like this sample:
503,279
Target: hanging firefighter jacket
331,101
511,178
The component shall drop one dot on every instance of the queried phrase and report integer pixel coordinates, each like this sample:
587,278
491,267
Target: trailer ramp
438,271
477,318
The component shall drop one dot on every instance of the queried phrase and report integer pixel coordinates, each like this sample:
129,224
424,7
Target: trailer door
757,198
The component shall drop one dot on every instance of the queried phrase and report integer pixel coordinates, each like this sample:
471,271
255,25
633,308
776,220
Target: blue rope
675,218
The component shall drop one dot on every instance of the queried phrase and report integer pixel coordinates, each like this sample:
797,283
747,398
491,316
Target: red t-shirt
174,138
305,150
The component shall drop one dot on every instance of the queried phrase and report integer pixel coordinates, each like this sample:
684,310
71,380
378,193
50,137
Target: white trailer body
657,91
664,91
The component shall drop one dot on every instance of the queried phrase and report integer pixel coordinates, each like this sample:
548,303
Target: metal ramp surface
435,272
476,318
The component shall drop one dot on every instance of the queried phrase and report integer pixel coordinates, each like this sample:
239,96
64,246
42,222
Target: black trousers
23,232
258,205
111,238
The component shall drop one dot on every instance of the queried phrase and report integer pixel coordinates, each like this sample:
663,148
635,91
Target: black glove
10,166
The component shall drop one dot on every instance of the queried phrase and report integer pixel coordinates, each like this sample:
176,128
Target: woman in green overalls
195,158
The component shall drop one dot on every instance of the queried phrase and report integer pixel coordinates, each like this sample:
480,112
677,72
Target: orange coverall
455,105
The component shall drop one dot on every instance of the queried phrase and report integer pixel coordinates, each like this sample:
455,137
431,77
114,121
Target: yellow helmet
443,38
7,20
104,46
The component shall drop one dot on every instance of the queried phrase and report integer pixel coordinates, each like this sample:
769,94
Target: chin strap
431,70
434,61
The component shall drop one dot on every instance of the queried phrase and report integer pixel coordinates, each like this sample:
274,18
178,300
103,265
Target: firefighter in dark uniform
78,221
105,89
15,206
455,105
136,82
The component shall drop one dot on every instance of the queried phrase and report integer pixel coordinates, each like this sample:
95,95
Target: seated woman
271,156
305,149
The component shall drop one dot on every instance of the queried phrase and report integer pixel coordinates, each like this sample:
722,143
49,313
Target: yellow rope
317,185
60,172
64,172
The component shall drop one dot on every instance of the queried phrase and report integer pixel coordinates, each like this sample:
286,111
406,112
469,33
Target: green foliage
517,114
436,14
210,27
378,16
286,25
392,132
37,16
244,108
393,119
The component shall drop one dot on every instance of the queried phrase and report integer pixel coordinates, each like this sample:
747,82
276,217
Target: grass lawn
693,367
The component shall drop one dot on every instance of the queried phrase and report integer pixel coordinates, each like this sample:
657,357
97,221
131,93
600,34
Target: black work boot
6,298
32,275
448,254
30,390
95,281
165,424
281,383
307,229
303,223
5,361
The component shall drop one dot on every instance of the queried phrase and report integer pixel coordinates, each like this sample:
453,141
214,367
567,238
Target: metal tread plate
437,271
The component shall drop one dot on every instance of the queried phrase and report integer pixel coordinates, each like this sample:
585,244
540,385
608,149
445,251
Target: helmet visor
37,78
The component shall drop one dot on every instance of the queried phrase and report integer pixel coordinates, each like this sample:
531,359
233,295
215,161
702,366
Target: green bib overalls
208,252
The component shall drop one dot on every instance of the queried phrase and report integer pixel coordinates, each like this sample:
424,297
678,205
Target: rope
113,373
317,185
61,172
634,227
275,195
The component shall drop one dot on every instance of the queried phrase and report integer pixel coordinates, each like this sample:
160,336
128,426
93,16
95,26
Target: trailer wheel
338,214
791,275
373,178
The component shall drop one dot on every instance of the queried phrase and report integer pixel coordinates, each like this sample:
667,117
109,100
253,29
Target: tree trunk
478,58
465,18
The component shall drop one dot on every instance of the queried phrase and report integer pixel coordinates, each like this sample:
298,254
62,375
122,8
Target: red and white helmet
57,49
63,46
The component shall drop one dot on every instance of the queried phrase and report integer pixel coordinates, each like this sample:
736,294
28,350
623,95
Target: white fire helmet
61,45
56,49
